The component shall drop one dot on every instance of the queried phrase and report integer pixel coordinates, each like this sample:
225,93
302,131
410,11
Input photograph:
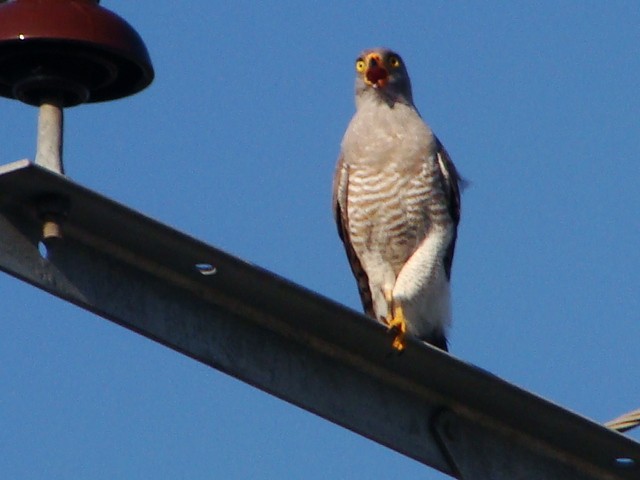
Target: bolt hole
206,268
624,462
43,250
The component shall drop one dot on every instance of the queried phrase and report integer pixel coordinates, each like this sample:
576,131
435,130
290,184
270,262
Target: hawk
396,200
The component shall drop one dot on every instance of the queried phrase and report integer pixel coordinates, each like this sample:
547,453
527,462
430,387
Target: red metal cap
74,50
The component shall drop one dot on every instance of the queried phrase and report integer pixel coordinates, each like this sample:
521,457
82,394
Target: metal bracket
293,343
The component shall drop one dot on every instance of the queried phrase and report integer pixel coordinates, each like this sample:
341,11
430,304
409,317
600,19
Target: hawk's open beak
376,75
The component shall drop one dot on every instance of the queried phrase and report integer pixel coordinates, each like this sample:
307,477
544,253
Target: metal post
50,126
49,155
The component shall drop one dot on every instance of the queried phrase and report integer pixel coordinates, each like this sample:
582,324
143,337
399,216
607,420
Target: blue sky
235,143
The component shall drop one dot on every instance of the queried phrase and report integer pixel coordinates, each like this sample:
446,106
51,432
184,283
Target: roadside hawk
396,199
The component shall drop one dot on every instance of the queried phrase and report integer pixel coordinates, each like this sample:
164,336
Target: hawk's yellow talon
398,343
398,323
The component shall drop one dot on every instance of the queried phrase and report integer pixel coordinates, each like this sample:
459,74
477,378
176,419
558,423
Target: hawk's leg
396,321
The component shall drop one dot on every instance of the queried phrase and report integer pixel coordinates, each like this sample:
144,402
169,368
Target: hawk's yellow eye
360,65
394,61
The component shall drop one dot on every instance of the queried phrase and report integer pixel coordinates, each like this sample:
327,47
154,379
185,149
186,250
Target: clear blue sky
235,143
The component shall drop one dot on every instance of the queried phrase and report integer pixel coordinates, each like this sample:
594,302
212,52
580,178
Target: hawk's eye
394,61
360,65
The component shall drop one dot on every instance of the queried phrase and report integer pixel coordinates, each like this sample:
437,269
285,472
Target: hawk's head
381,72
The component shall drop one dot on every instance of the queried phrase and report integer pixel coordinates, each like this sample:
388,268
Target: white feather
422,286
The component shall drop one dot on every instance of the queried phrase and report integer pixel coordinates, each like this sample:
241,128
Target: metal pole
50,125
49,155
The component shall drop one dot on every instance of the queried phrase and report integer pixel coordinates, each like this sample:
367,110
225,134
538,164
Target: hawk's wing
340,192
451,188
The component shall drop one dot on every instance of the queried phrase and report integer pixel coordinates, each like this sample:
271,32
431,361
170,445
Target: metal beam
291,342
